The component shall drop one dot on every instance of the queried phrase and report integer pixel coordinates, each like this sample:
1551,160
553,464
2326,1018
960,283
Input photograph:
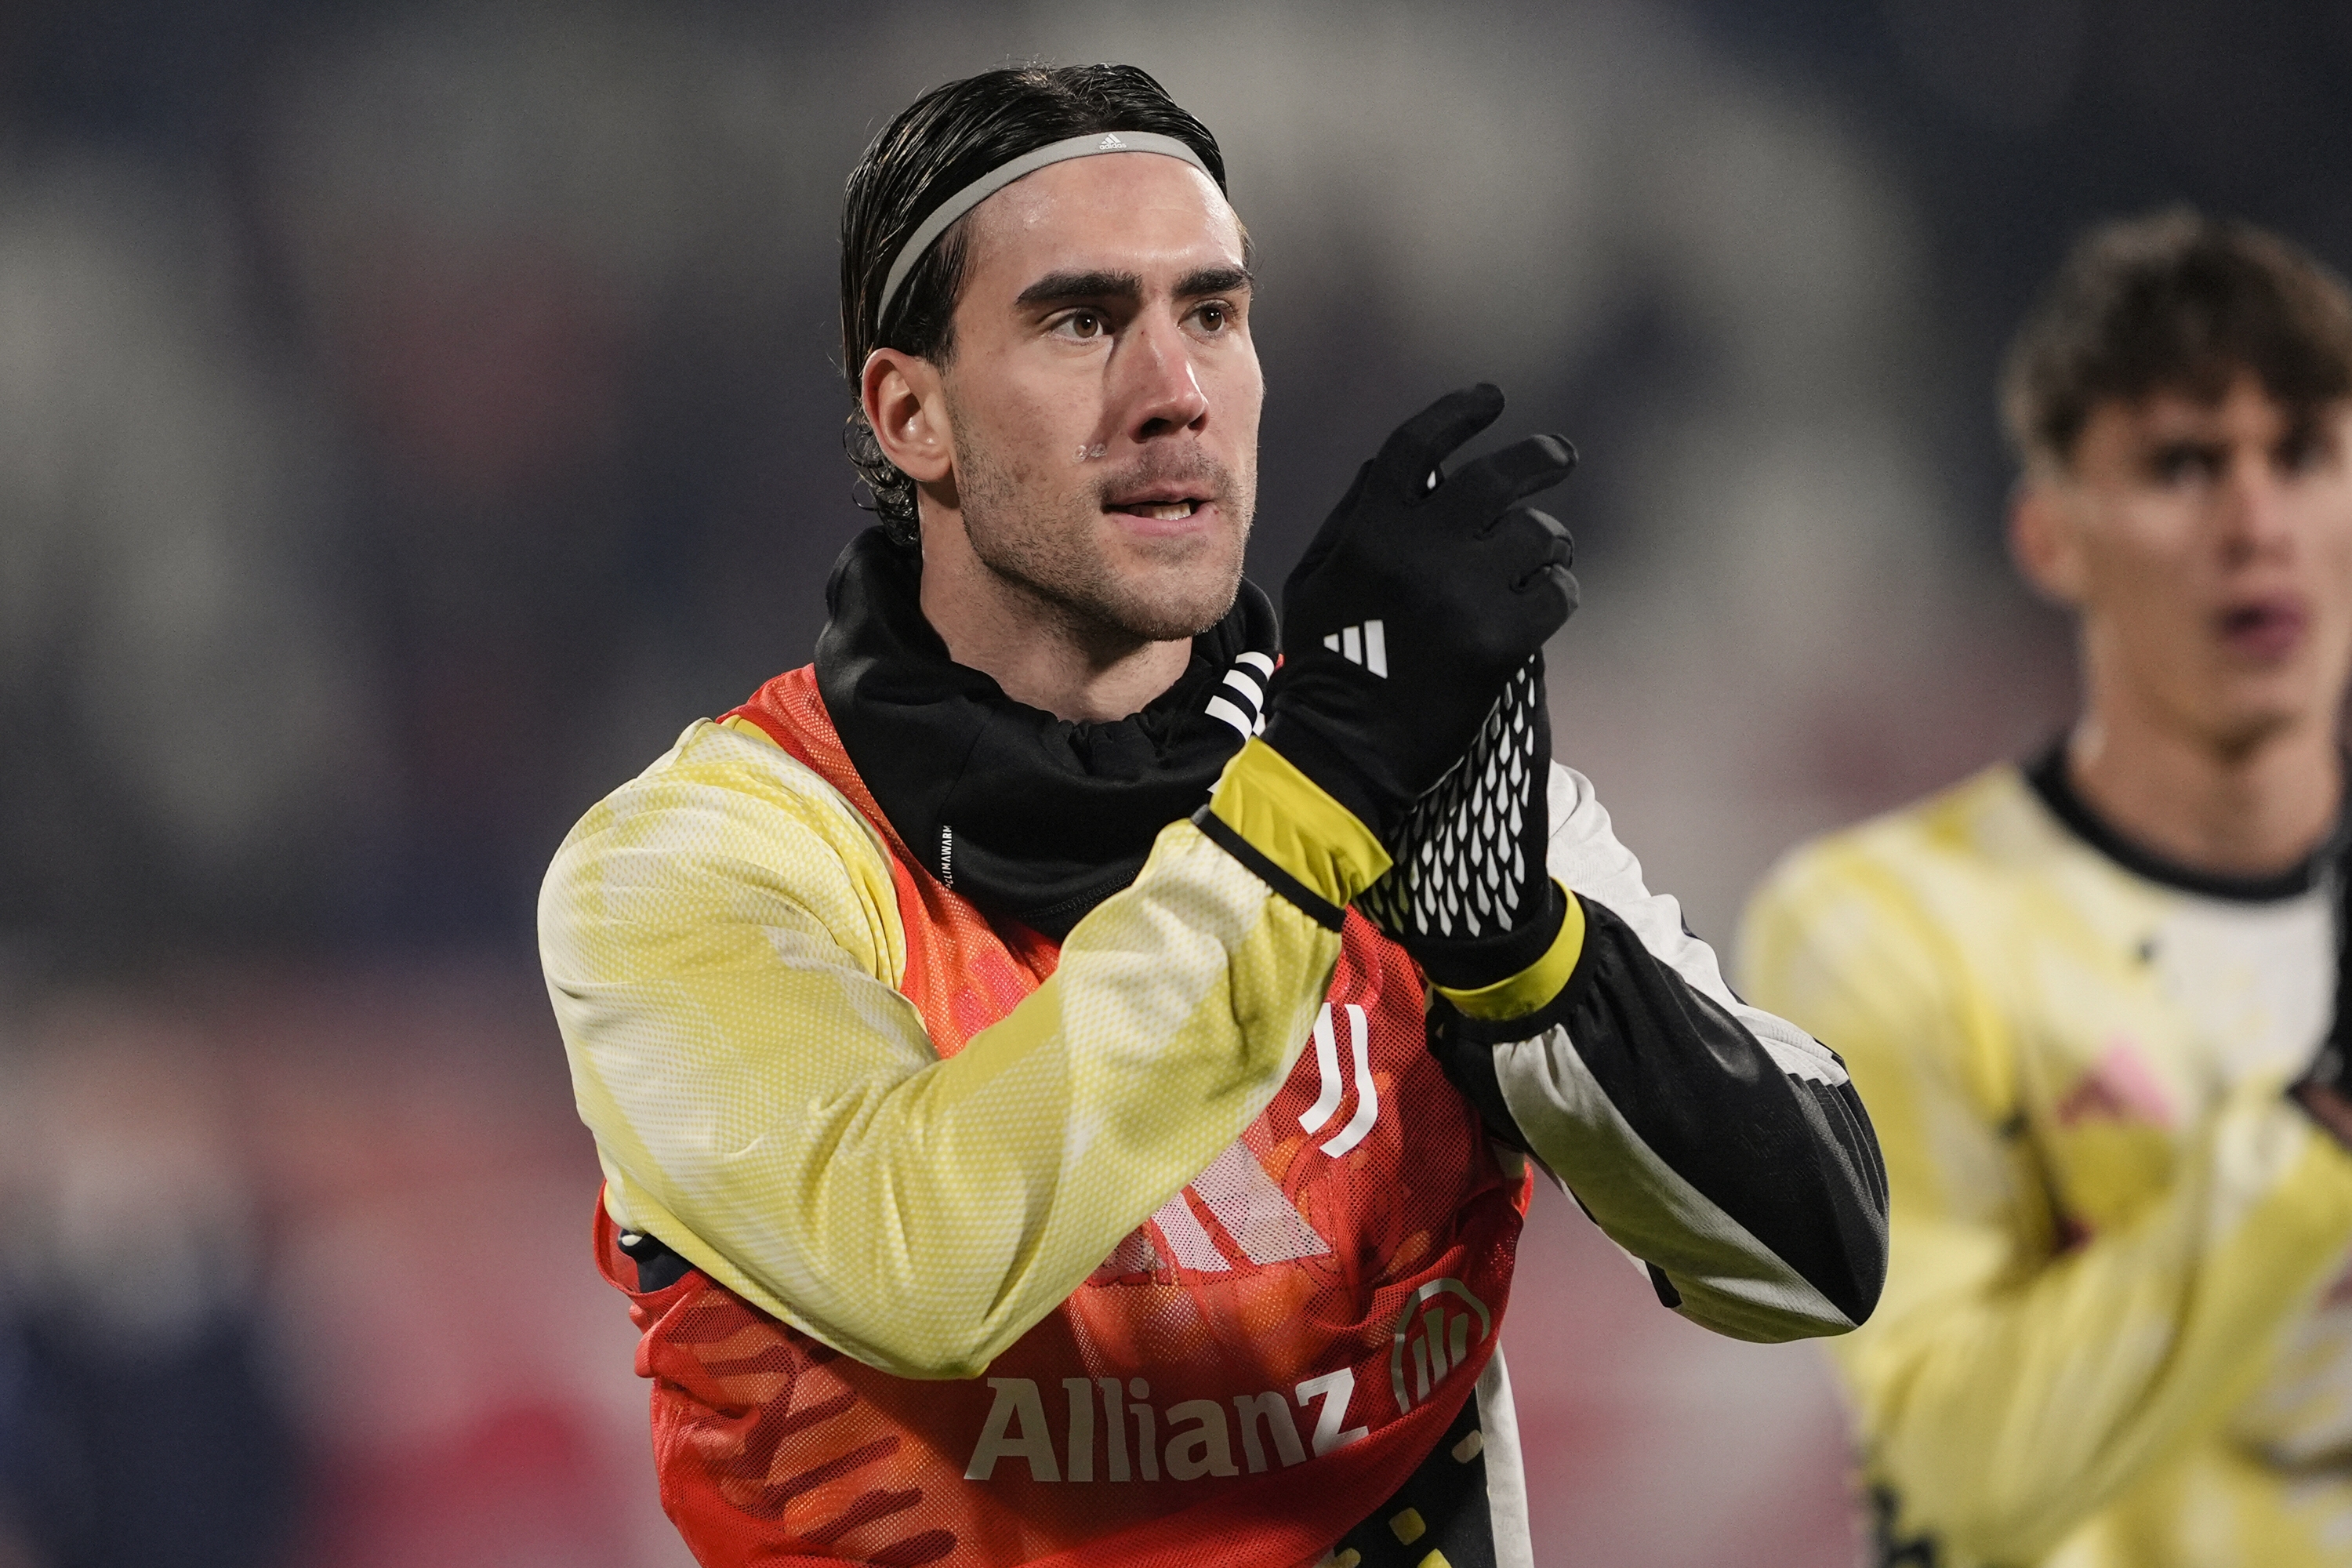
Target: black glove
1418,598
1469,895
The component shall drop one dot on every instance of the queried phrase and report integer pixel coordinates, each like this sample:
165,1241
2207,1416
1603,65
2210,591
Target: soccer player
1021,1143
2093,1000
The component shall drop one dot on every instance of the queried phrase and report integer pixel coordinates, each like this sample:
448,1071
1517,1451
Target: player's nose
1155,380
2257,512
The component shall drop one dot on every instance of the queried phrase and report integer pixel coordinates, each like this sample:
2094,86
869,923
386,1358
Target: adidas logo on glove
1366,644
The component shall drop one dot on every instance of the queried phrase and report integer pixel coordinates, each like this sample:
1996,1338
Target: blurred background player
2088,998
1015,1150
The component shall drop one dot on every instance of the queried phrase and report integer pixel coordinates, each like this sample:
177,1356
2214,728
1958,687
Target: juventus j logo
1233,1207
1327,1061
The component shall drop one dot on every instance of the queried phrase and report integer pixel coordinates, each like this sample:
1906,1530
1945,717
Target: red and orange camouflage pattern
1251,1373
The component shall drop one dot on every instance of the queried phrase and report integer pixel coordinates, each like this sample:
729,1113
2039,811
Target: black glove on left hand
1416,600
1470,897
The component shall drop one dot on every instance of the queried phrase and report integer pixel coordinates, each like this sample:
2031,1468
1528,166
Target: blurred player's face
2208,547
1103,395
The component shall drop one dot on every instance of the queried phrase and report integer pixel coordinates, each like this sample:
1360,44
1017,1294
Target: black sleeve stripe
1319,909
1792,1161
1469,1066
1667,1295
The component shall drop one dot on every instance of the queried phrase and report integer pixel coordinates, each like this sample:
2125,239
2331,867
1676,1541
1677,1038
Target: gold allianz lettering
1081,1432
1336,1389
1199,1446
1016,1401
1199,1441
1273,1410
1147,1441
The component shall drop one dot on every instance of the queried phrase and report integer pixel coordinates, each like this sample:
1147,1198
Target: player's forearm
1722,1147
919,1214
2108,1356
923,1223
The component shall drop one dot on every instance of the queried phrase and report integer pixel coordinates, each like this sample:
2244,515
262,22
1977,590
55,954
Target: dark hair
2173,300
943,142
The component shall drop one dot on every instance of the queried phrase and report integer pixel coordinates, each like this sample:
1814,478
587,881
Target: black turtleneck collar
1032,818
2047,775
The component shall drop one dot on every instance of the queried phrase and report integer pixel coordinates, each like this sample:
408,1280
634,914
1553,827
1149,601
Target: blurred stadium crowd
410,416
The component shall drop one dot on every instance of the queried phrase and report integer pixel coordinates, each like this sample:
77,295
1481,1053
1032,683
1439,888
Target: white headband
1003,175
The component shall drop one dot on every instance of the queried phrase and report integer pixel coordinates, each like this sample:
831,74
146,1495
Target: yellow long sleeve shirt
2114,1329
723,946
722,943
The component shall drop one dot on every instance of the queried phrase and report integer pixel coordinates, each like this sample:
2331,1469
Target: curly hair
942,143
2173,300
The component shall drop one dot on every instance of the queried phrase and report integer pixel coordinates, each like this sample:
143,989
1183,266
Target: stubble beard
1047,547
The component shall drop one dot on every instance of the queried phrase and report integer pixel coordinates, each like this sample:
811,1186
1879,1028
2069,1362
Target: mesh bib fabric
1358,1239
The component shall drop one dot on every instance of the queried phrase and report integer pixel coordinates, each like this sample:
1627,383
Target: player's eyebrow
1070,287
1067,287
2305,428
1214,280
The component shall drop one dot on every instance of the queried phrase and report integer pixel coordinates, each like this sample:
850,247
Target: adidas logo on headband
1111,144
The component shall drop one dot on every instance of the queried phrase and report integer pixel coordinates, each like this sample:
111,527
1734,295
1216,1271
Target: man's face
2208,549
1103,394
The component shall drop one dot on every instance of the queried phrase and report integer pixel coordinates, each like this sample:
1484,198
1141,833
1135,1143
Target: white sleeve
1719,1144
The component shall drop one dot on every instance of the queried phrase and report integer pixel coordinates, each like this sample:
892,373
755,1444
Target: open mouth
1160,511
2264,628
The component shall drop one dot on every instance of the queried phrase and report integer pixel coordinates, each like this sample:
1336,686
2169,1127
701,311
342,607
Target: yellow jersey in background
2118,1324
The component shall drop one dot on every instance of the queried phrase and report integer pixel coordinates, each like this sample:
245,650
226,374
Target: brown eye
1212,318
2306,449
1085,324
2182,462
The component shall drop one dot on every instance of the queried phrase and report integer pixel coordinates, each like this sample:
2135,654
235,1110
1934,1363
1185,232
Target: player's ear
2045,539
904,403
